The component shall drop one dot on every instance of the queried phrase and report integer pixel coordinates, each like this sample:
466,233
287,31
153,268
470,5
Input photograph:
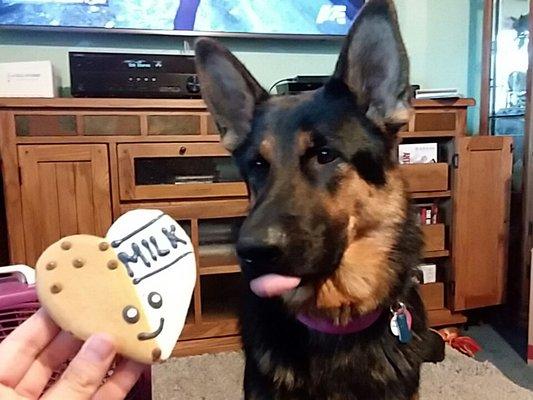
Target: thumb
84,375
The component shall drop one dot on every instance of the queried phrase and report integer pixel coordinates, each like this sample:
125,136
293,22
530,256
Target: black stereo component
304,83
300,84
133,75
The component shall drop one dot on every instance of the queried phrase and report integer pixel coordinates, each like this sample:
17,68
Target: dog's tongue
271,285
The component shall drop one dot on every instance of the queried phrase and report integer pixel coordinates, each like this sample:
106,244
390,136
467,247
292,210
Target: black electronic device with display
133,75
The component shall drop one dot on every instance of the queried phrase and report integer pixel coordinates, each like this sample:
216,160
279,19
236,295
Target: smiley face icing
136,284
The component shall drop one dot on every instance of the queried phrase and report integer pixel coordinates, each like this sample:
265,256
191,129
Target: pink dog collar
326,326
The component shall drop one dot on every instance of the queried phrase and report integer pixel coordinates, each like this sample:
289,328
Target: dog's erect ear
230,91
374,65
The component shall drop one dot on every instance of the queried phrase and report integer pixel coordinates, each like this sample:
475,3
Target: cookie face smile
131,315
151,335
155,301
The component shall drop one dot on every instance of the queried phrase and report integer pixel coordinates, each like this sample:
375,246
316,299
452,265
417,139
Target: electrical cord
280,81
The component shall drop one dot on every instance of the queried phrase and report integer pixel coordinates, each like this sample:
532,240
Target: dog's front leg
256,385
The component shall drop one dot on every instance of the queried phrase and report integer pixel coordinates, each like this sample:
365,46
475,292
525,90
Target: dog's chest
349,372
289,361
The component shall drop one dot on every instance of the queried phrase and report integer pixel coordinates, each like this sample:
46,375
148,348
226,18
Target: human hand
31,353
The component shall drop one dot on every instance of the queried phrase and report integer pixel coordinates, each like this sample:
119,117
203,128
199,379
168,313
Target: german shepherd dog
330,246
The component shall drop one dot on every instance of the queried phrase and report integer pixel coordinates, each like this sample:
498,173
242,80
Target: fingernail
99,348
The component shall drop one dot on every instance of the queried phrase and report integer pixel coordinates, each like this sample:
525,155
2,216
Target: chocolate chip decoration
51,265
55,289
156,354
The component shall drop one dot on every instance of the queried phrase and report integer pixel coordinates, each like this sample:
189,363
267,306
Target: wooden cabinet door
65,190
481,216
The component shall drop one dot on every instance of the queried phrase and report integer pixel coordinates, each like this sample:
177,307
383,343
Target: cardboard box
417,153
27,79
429,273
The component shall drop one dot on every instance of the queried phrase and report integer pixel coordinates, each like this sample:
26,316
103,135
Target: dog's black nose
253,253
262,247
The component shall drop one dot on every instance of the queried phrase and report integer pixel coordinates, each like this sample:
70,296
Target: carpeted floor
219,377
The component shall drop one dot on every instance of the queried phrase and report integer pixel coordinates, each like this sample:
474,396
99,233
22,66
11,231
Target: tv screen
186,17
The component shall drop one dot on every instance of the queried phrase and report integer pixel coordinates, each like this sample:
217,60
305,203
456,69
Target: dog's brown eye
326,155
259,162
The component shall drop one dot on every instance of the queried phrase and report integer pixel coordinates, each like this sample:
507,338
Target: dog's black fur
299,155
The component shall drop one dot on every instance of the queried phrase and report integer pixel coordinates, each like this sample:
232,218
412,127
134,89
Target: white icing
171,275
156,298
132,312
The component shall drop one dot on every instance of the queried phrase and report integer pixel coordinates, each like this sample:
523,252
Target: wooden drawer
435,121
426,177
177,171
432,295
433,237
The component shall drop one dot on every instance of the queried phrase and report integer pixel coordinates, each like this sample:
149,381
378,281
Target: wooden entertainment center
74,165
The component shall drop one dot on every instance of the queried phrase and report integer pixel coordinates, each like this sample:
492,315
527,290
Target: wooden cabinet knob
183,150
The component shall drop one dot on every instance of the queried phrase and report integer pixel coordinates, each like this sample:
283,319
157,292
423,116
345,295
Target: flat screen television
257,18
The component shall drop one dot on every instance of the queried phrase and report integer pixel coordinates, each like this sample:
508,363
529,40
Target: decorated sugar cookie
136,284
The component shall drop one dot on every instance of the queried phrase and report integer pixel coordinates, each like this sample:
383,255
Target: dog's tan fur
364,277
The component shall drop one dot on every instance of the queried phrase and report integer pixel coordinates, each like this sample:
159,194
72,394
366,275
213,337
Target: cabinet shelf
209,345
436,254
428,134
444,317
431,195
220,269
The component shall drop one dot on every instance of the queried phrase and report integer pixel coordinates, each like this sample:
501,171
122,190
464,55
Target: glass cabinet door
509,66
177,171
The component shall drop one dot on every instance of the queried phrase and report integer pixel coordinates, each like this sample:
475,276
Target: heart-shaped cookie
136,284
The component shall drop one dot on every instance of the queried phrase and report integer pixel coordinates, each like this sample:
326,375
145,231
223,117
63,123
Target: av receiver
133,75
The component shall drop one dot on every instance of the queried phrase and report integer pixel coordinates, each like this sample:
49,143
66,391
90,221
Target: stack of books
428,213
